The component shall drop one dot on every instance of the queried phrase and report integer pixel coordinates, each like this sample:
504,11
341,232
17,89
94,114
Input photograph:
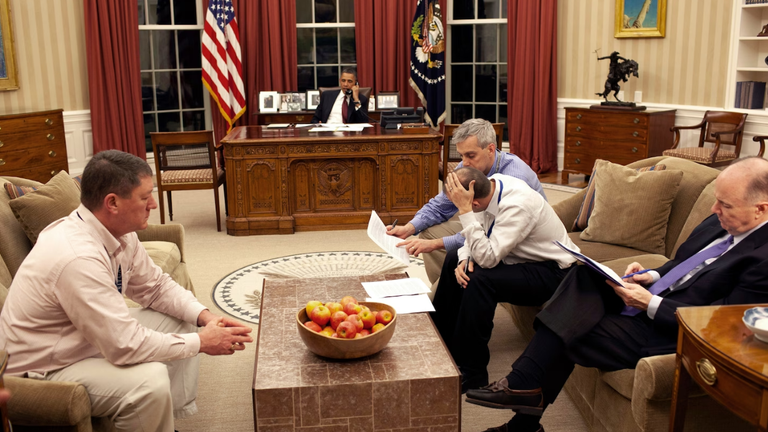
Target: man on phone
345,105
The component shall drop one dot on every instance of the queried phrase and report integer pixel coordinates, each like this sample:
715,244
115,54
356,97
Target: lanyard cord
501,189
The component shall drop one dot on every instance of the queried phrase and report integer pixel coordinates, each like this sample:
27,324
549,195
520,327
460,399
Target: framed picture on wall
8,77
268,101
641,18
313,99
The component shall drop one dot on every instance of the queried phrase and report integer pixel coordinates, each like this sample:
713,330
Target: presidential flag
222,66
428,60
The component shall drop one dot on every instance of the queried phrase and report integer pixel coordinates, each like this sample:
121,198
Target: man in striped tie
594,323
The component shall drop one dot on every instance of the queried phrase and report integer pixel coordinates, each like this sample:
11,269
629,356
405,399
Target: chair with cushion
450,157
718,128
187,161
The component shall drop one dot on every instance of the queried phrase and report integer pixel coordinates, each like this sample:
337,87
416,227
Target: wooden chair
717,127
451,157
761,139
187,161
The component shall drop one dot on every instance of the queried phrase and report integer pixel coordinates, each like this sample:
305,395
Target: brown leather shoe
504,428
499,395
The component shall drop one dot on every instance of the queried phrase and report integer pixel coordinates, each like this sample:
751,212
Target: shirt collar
740,237
98,230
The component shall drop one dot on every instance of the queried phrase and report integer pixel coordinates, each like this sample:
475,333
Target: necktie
344,110
683,269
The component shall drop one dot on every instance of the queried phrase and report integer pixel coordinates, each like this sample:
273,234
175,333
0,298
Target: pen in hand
636,273
394,224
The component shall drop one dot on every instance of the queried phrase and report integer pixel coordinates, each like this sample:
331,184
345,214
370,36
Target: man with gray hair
65,318
475,141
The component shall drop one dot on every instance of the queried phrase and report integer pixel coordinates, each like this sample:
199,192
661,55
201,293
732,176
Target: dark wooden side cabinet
32,145
618,136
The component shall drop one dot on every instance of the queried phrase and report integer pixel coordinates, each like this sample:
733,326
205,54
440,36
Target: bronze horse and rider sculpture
620,69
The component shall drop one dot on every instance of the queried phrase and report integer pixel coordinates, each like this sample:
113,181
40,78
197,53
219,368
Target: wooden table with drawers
32,145
619,136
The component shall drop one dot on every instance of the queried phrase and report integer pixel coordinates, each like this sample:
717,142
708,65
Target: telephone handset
348,92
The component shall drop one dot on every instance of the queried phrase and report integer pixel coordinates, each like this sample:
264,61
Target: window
172,92
325,34
477,55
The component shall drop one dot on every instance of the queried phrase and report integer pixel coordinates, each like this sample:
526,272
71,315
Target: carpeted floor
225,382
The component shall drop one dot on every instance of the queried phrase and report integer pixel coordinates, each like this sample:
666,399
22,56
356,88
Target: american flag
425,45
222,66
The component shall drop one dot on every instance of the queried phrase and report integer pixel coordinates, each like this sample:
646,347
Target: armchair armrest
761,139
47,403
168,233
676,130
568,209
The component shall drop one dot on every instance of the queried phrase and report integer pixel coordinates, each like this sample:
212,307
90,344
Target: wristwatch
357,102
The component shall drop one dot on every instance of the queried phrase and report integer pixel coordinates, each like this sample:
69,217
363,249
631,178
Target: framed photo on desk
386,100
313,99
268,101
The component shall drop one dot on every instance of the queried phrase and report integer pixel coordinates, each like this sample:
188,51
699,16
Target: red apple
358,336
368,318
311,305
364,307
334,307
335,335
384,317
377,327
352,308
338,318
355,319
364,332
313,326
347,299
346,330
321,315
328,331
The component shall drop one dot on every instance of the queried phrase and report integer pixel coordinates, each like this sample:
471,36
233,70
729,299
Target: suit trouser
433,261
464,317
141,397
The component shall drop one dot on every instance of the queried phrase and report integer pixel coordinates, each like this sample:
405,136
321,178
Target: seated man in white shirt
510,256
345,105
65,318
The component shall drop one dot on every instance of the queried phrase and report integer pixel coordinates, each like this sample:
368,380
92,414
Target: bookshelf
748,51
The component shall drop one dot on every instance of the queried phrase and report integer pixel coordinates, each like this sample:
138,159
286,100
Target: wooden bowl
325,346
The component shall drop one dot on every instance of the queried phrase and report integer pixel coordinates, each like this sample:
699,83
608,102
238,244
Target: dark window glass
141,12
487,9
145,53
461,43
347,39
305,43
193,120
147,98
461,84
325,11
149,126
504,11
502,83
184,12
486,43
164,49
306,78
503,119
166,88
303,11
160,12
485,83
503,43
327,45
460,113
463,9
487,112
327,76
169,122
191,89
189,49
346,11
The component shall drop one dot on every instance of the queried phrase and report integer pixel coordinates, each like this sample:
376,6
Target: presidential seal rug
239,293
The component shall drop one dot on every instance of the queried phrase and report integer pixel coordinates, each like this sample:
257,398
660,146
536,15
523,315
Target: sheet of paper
377,231
322,129
303,125
278,125
398,287
352,128
407,304
594,265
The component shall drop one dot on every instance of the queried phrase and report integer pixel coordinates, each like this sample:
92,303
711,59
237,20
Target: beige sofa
63,406
639,399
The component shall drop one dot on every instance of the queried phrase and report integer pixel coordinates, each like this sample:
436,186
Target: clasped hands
221,336
634,293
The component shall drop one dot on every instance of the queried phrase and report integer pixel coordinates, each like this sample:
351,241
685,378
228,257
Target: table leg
679,396
565,178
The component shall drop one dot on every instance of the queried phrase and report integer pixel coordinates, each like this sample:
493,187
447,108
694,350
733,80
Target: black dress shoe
499,395
504,428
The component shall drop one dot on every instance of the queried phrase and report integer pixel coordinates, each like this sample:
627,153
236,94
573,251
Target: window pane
463,9
327,45
303,11
503,119
184,12
503,43
504,12
159,11
166,90
327,76
461,43
144,52
346,11
487,112
485,83
141,12
168,122
306,78
486,42
305,43
147,98
193,120
502,83
461,79
325,11
192,89
460,113
189,49
164,49
487,9
347,39
149,126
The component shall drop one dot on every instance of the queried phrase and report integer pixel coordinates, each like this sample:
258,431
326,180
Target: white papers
352,128
407,304
303,125
377,231
278,125
594,265
322,129
340,127
397,287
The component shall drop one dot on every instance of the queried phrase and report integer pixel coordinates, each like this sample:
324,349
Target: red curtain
532,82
268,50
114,75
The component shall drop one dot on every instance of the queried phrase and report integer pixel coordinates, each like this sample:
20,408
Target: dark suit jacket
328,98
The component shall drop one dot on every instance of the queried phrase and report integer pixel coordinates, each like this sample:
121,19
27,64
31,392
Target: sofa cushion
165,254
632,209
602,251
15,191
701,210
52,201
15,245
621,380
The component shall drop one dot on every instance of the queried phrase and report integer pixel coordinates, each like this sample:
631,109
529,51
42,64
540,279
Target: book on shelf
750,94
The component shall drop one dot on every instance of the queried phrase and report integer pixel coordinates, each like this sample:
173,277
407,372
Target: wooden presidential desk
285,180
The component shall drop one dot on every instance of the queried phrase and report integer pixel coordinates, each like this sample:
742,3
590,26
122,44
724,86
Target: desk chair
187,161
717,127
451,157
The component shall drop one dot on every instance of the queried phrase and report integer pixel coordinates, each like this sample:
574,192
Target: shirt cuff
656,276
191,344
653,306
453,242
193,312
418,224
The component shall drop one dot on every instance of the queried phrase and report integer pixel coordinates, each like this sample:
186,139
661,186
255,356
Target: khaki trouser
141,397
433,261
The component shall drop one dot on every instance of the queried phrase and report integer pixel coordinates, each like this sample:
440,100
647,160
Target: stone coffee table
411,385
